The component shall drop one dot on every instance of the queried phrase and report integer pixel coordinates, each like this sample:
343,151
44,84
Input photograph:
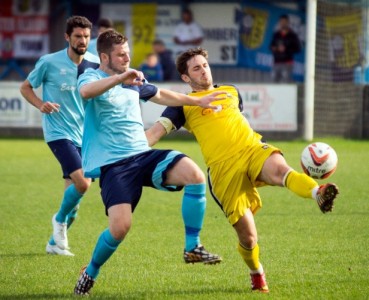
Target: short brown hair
183,58
107,23
108,39
77,21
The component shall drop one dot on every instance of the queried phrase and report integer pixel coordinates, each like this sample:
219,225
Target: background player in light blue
62,120
102,25
115,149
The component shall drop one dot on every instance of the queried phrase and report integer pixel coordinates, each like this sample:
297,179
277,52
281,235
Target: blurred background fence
237,35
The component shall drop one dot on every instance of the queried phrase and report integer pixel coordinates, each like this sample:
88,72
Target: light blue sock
70,219
193,211
71,199
105,247
51,241
72,215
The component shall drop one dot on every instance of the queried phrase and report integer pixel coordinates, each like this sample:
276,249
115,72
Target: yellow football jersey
223,132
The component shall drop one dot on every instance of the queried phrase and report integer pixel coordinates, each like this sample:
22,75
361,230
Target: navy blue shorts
68,155
122,181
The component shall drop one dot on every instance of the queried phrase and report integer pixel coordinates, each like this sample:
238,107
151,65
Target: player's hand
49,107
132,77
206,101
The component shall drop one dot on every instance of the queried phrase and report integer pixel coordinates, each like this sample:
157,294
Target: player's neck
201,88
76,58
107,70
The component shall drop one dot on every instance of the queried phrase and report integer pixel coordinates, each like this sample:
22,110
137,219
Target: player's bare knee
119,231
186,172
249,241
198,177
83,185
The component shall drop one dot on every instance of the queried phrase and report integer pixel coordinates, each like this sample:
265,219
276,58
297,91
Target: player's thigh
232,189
184,172
274,169
258,157
121,183
68,155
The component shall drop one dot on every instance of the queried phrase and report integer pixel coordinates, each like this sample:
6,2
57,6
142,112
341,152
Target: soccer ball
319,160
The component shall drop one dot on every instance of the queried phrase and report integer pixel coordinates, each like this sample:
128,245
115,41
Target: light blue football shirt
92,46
57,74
114,129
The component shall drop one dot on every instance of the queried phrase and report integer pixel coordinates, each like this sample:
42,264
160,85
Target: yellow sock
250,256
300,184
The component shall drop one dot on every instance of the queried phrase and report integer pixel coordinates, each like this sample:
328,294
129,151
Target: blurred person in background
152,68
166,60
62,120
102,25
188,33
284,45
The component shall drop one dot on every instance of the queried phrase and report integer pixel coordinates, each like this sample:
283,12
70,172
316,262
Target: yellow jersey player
238,161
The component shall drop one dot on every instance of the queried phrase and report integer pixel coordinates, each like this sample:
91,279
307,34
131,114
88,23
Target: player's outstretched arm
170,98
155,133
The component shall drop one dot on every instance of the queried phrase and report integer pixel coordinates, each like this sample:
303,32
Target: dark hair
150,54
183,58
107,23
77,21
187,11
108,39
158,42
284,17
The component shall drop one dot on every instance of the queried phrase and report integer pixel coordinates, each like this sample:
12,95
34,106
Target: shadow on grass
22,255
37,296
199,293
175,294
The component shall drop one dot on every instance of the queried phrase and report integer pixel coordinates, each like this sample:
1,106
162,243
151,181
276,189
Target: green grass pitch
306,254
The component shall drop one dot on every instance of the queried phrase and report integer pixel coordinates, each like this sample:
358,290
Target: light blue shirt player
57,74
104,114
92,46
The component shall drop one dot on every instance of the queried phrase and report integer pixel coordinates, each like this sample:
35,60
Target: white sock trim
314,192
258,271
285,177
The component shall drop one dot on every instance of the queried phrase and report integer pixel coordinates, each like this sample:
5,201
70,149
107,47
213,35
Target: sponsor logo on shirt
66,87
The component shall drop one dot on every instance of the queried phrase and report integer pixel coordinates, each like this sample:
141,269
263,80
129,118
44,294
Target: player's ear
66,36
104,57
185,78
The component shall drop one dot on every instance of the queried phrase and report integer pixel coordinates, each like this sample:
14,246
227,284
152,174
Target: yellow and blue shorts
233,182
